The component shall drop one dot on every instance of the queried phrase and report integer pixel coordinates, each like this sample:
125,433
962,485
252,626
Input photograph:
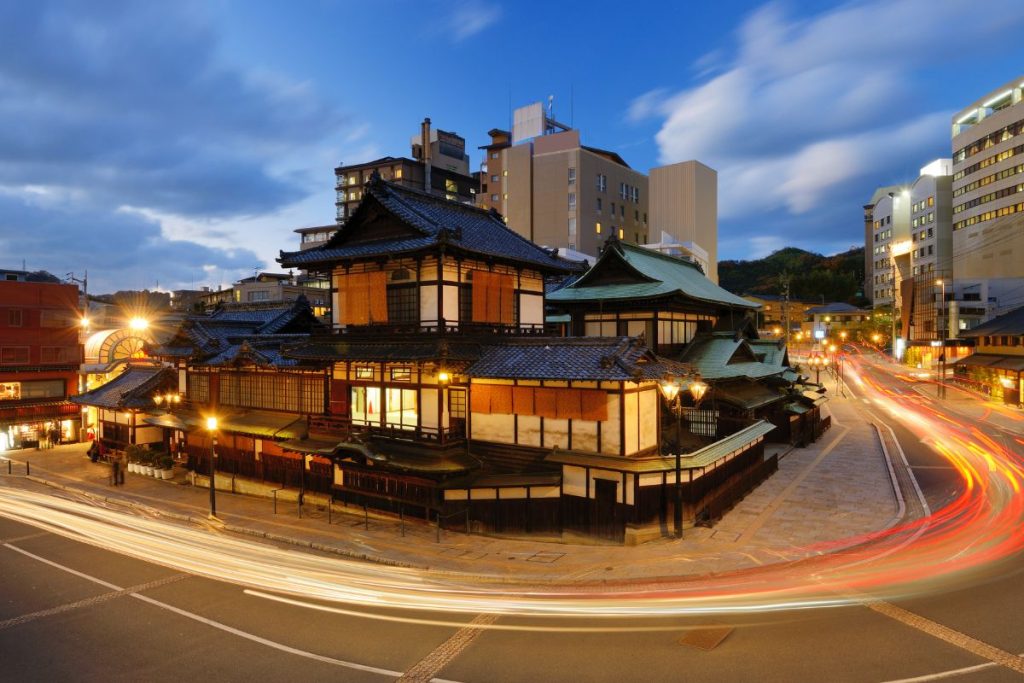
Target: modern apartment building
889,245
988,201
684,203
439,165
556,191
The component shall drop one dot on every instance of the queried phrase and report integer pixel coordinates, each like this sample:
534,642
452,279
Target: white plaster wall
648,418
529,430
632,425
428,408
610,428
531,309
584,436
574,481
556,433
451,304
428,304
497,428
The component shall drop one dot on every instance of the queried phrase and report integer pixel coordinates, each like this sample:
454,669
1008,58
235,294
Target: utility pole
785,306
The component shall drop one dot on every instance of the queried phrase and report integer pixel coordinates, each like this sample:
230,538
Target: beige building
890,246
559,193
988,201
684,204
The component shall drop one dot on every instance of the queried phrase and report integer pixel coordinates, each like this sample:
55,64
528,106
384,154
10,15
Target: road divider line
88,602
424,670
949,635
215,624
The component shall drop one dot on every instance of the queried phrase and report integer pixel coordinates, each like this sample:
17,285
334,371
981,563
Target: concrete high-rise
684,204
558,192
988,200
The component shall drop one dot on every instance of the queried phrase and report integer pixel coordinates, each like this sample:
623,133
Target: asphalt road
76,612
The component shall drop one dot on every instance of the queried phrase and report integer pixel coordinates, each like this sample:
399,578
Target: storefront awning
253,423
311,446
183,421
979,360
1012,363
265,424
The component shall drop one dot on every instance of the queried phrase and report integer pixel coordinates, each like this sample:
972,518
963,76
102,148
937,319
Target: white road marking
216,624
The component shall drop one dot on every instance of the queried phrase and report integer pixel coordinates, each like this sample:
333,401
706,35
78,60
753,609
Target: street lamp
170,399
942,307
211,426
670,390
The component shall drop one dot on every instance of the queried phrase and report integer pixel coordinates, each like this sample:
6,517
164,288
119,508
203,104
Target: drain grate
706,638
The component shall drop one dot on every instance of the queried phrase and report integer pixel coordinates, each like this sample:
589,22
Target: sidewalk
975,407
837,488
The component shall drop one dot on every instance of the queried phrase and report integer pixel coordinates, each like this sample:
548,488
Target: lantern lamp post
211,426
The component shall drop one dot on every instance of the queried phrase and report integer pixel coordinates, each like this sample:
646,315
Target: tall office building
988,200
558,192
684,204
439,165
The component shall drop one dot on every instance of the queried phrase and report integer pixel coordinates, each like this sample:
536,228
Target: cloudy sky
178,144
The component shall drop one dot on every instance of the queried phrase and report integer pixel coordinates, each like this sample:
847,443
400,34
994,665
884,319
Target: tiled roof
434,221
650,274
579,358
232,332
834,307
774,351
133,388
420,350
1011,323
721,356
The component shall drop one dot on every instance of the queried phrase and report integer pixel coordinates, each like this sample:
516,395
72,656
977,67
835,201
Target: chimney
425,141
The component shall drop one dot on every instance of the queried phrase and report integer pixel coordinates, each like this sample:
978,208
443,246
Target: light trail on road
951,547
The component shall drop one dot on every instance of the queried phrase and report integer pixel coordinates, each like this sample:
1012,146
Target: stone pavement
978,408
837,488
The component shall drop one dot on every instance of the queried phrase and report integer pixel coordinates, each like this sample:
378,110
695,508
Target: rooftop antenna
572,105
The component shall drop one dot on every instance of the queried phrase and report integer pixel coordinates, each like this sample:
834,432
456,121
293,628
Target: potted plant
166,466
134,455
146,461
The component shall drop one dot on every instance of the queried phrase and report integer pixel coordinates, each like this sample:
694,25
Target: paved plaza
839,487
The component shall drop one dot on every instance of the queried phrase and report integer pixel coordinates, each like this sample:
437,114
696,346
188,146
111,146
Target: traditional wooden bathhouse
637,292
229,363
123,403
446,397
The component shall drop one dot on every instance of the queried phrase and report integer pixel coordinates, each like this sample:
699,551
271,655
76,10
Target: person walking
115,468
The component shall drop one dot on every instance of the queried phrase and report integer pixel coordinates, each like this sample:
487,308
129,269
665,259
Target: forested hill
811,276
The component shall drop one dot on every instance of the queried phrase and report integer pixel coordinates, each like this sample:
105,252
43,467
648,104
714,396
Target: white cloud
470,18
806,105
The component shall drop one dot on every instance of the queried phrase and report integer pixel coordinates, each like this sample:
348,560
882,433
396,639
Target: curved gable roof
653,275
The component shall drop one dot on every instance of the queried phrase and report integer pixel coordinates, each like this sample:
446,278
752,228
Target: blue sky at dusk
181,143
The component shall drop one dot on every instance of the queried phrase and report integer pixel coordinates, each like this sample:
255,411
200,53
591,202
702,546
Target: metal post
677,513
28,469
213,470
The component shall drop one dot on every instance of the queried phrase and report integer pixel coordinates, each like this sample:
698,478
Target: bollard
10,463
28,469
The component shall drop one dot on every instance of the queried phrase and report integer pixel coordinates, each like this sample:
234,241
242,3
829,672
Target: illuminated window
621,233
451,186
403,374
598,228
398,174
364,372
